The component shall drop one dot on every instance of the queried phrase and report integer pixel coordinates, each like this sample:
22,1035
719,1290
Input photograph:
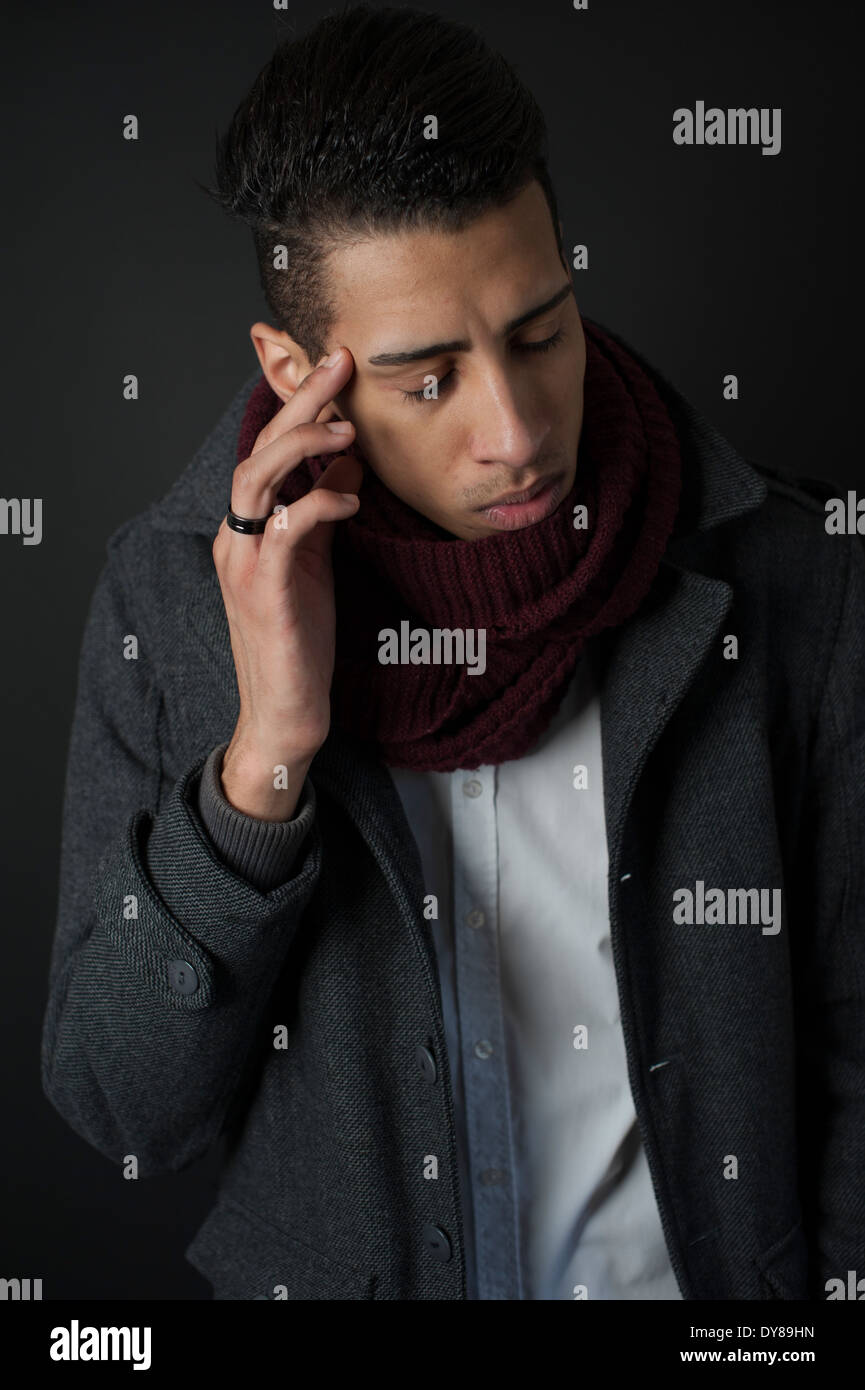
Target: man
484,871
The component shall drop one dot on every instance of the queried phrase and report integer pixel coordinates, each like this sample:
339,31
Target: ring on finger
246,525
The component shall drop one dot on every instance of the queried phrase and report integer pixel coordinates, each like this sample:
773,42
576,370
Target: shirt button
473,787
475,918
426,1061
182,977
491,1176
483,1048
437,1242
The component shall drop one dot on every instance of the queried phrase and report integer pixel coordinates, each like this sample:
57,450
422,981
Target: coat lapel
364,786
652,662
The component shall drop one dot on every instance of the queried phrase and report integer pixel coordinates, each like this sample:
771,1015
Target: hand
277,588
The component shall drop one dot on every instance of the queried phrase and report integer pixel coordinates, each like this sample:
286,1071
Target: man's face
509,407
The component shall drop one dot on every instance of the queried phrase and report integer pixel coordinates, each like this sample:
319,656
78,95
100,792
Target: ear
283,361
285,364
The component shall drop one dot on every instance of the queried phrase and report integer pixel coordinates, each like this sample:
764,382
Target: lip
544,497
514,497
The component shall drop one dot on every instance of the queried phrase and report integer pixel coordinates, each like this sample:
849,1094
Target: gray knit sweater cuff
262,852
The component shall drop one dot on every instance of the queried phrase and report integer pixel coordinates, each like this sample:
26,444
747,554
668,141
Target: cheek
565,392
385,443
413,447
388,435
397,432
418,458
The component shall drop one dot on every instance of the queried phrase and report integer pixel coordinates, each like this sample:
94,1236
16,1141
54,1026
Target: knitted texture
540,592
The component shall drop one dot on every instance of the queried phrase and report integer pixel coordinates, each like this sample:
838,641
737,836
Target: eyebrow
401,359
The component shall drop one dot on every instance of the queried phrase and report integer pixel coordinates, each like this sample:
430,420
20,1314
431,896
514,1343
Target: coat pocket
244,1256
784,1266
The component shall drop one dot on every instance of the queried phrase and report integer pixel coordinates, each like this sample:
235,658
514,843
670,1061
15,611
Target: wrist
264,784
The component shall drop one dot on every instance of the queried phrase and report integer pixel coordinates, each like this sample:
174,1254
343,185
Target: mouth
510,498
527,507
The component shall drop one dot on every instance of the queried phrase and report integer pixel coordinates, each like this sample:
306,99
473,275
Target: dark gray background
708,261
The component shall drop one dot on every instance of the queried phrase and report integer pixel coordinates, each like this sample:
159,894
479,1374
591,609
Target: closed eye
545,345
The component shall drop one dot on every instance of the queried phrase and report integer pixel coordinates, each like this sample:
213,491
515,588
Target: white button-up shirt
555,1186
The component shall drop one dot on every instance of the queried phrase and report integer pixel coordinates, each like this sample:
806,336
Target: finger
220,549
257,480
343,477
311,519
314,393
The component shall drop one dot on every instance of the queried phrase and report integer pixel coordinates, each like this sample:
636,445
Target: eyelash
545,345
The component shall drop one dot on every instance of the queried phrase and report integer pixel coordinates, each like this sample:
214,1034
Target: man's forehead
506,255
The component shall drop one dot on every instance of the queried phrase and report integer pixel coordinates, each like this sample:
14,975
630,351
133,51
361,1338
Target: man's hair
329,146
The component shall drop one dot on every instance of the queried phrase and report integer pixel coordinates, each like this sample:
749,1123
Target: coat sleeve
262,852
831,969
163,957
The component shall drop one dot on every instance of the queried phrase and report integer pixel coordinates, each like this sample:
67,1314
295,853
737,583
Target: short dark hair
329,143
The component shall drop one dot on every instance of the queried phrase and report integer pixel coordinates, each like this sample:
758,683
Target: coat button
427,1062
182,977
437,1242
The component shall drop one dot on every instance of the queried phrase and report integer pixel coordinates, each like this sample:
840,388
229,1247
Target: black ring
245,525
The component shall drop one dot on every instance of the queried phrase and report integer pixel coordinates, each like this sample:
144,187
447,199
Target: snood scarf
540,592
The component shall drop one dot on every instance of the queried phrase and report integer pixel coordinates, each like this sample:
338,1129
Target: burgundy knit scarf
540,592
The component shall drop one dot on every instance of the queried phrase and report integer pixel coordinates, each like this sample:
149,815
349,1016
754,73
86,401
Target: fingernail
340,426
334,357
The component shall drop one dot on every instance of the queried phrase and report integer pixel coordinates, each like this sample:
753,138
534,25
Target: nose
503,430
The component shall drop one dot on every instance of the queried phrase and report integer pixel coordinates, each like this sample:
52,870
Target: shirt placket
484,1062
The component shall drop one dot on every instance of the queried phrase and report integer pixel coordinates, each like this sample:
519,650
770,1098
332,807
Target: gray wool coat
170,971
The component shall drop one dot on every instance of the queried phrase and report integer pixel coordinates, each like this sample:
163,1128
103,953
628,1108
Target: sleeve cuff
262,852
